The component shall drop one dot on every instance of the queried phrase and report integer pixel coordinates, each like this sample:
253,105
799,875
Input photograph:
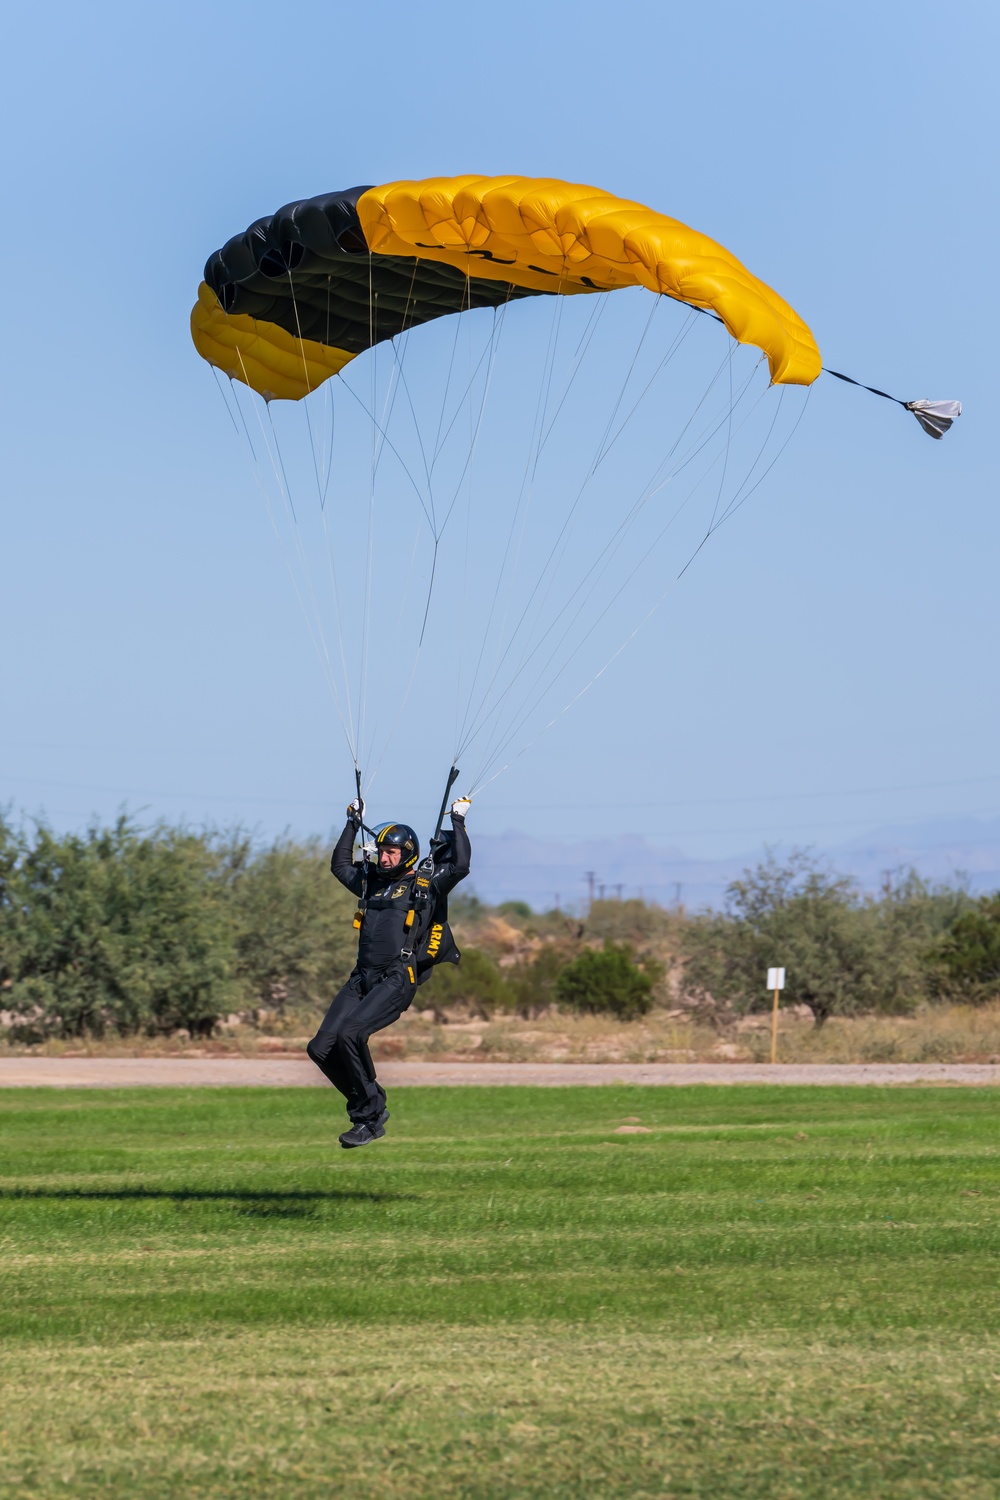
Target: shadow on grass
290,1204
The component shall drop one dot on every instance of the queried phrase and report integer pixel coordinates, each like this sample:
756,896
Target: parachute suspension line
218,386
303,559
489,355
404,697
485,781
322,485
735,504
562,540
729,443
392,447
434,458
397,379
688,324
475,426
328,400
397,370
370,540
501,573
305,376
481,717
628,376
469,732
436,454
479,782
516,722
578,357
269,510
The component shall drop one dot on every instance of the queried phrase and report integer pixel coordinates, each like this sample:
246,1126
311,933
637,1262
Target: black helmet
398,836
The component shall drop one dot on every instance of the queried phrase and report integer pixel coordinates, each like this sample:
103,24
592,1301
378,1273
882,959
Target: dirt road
127,1072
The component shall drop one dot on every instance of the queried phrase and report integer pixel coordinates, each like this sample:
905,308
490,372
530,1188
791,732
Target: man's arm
341,862
448,875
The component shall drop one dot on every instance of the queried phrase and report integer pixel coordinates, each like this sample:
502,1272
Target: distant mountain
517,866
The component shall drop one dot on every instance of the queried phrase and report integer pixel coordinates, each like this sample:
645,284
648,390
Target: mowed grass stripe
476,1414
775,1292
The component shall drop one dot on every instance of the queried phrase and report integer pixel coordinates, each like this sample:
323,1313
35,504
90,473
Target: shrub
605,981
532,983
476,982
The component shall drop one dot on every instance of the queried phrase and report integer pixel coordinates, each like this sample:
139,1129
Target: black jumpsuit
381,985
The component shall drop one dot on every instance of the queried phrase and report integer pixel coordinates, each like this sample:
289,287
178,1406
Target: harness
419,923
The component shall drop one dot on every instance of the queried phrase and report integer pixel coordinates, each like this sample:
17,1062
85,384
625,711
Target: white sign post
775,982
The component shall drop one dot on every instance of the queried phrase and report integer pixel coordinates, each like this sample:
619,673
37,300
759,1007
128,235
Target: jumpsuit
380,987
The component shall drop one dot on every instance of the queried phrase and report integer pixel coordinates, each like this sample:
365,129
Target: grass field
766,1292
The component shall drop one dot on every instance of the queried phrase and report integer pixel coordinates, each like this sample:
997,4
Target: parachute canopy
291,301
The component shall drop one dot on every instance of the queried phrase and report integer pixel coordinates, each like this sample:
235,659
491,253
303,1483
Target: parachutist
403,932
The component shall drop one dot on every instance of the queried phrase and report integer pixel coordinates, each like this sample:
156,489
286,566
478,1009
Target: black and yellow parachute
291,301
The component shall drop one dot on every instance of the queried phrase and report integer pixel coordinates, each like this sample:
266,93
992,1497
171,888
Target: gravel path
126,1072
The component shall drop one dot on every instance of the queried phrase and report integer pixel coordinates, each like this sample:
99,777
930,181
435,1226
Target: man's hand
355,813
461,807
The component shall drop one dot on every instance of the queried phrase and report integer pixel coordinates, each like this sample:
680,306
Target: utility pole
600,893
678,887
558,907
619,888
590,876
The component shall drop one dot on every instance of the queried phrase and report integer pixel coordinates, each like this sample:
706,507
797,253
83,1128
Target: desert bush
605,981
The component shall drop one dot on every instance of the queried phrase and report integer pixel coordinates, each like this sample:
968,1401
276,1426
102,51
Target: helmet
398,836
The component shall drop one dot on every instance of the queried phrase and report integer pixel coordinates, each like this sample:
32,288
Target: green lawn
774,1292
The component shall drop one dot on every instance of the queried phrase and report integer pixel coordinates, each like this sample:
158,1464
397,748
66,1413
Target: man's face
389,858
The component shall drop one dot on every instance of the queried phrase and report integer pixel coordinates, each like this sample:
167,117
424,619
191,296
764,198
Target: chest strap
419,905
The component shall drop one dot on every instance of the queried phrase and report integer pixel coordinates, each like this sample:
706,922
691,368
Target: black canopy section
307,269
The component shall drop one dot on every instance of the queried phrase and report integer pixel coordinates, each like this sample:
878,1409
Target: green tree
843,954
606,981
294,934
969,954
117,929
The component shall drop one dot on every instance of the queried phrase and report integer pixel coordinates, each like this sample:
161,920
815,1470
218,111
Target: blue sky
825,666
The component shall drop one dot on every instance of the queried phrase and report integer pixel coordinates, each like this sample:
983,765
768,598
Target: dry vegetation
937,1033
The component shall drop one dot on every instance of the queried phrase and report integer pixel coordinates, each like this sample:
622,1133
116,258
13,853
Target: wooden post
775,982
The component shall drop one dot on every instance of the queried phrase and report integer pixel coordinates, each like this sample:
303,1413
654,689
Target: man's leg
340,1047
323,1045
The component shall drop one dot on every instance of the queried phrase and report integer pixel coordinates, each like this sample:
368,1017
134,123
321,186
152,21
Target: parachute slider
935,417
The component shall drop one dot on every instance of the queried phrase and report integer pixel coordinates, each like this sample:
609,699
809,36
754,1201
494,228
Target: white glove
356,812
461,807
